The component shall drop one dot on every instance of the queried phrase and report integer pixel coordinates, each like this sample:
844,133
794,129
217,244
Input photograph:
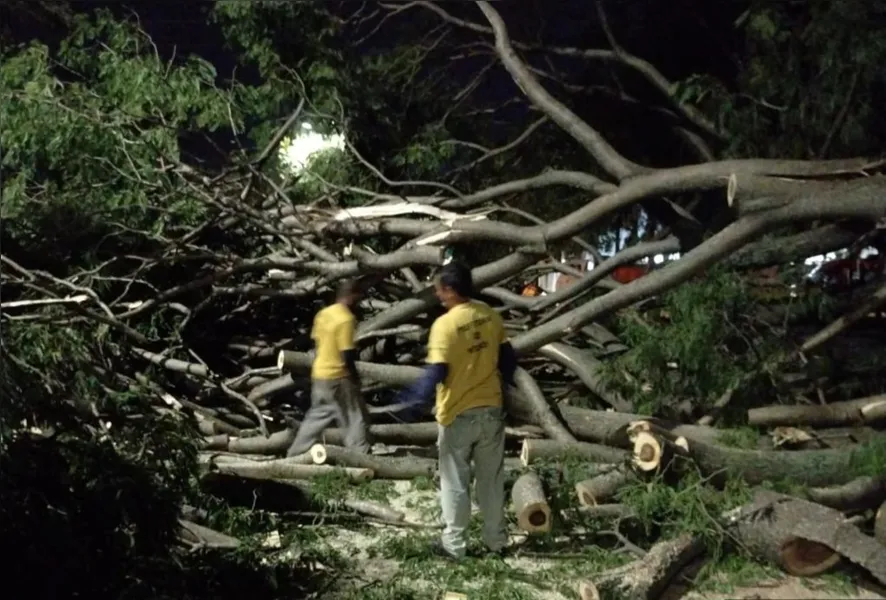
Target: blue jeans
477,434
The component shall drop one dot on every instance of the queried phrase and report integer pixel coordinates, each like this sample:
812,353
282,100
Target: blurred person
335,383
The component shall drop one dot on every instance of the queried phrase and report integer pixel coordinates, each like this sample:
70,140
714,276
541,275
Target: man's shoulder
337,313
443,321
481,309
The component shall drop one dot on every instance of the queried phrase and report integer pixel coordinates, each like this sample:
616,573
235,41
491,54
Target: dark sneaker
501,553
437,549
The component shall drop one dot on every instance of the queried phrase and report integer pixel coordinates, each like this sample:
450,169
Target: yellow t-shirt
467,339
333,333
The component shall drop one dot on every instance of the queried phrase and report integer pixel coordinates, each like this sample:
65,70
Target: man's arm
422,392
507,357
347,347
507,362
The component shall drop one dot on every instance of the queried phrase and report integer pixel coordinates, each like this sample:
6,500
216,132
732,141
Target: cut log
807,467
860,411
534,450
206,458
602,487
384,467
874,412
606,511
374,509
285,469
404,434
645,578
859,494
880,524
802,537
210,426
530,504
648,451
609,428
199,536
653,453
276,443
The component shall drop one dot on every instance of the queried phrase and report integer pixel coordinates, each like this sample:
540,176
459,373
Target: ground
392,563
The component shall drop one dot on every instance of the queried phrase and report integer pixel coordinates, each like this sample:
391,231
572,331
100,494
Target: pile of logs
840,518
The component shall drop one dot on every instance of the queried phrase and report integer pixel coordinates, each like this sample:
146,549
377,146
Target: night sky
680,36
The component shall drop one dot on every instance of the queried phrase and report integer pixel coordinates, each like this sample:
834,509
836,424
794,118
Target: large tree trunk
802,537
807,467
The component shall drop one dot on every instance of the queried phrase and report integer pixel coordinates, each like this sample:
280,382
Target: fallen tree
205,314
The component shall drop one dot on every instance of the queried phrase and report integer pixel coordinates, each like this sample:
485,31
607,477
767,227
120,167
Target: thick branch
615,164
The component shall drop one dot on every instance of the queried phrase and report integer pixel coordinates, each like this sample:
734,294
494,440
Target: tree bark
880,524
530,504
199,536
610,428
861,411
285,469
607,511
645,578
862,493
807,467
534,450
383,467
602,487
801,537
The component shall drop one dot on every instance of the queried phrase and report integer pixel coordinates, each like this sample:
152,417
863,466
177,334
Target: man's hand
411,408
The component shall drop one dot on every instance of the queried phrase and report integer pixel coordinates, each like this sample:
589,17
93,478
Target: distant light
296,151
659,258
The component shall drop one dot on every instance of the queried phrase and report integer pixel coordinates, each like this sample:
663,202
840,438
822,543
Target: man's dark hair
347,287
457,276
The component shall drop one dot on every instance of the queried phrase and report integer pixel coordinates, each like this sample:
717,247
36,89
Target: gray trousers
334,401
476,435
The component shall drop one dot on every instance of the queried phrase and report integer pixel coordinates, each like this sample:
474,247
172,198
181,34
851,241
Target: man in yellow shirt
469,358
335,383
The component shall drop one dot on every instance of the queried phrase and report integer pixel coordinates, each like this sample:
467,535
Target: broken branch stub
602,487
645,578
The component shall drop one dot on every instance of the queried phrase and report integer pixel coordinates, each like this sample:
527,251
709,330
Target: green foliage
691,505
89,486
93,468
694,346
807,88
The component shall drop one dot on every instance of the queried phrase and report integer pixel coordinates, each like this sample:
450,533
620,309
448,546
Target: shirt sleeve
500,325
344,335
439,343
